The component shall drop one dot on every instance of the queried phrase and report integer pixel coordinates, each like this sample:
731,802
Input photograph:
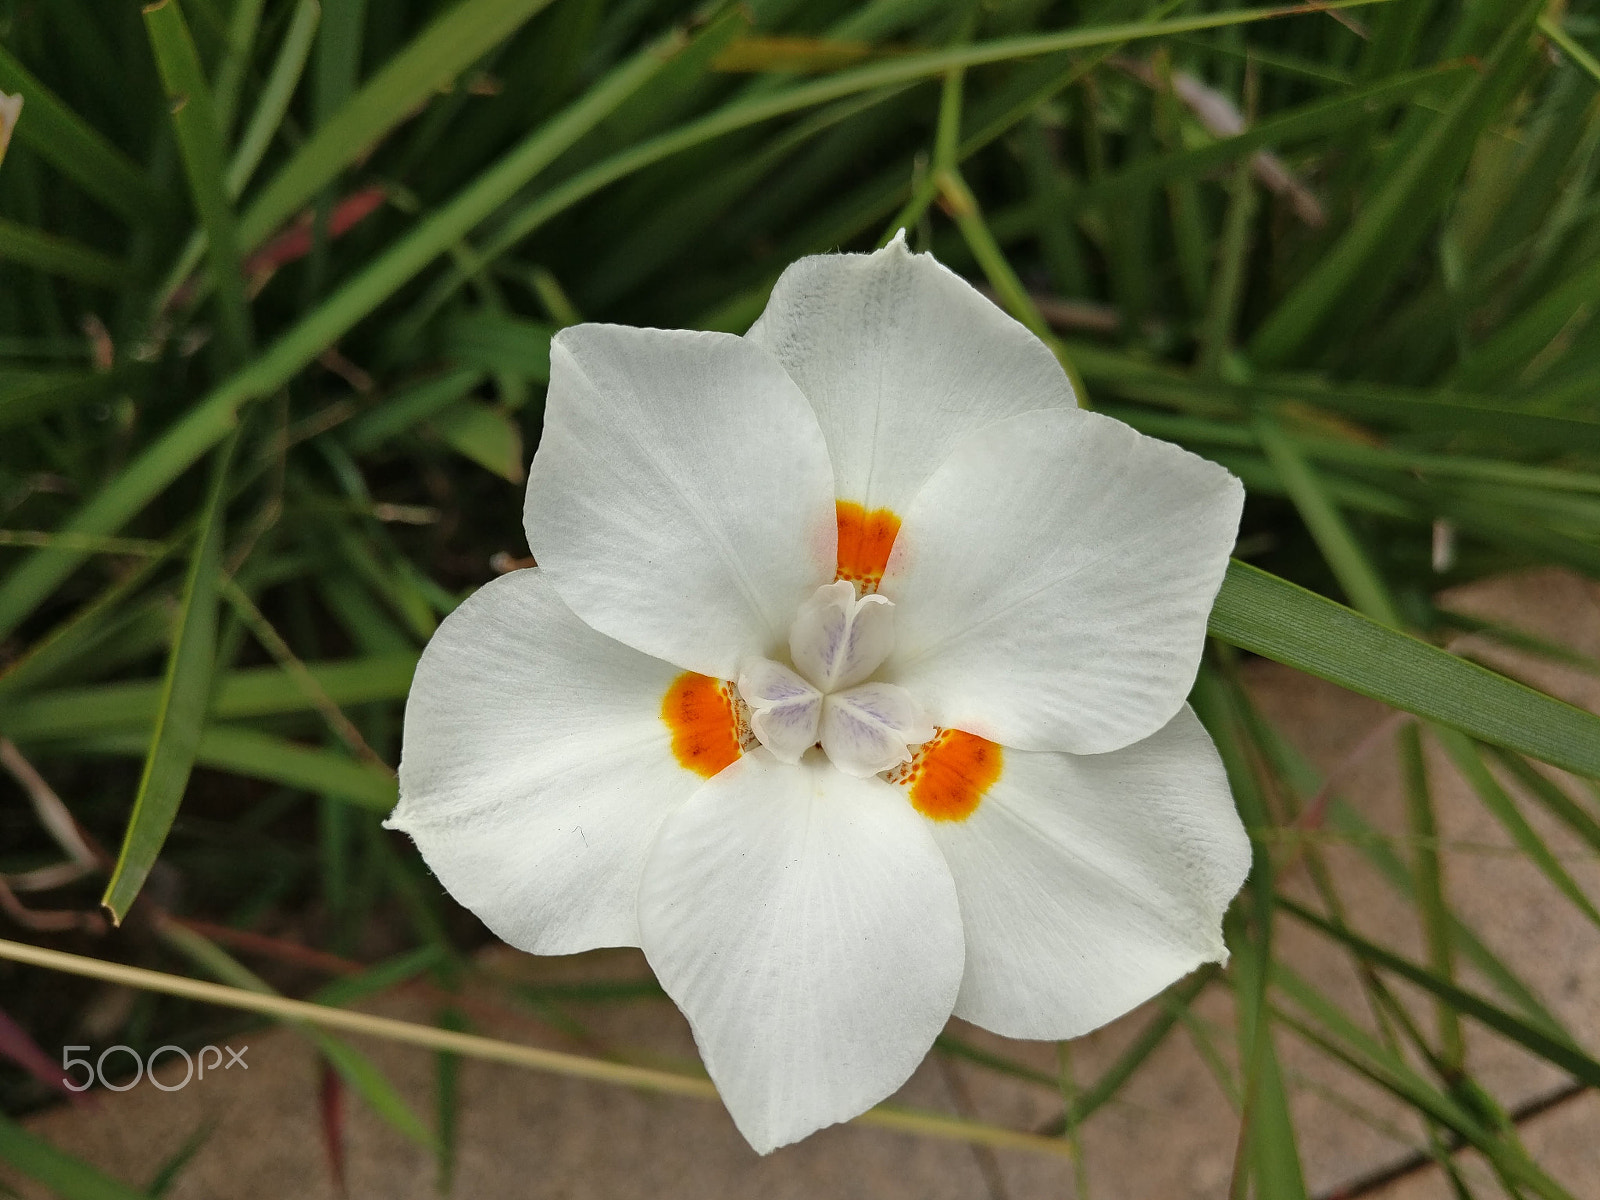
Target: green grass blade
1267,1149
486,435
968,216
1271,1149
1173,1004
240,695
1374,848
447,1102
1562,806
1393,220
1306,123
1349,562
1498,801
1346,1042
167,1174
1278,620
388,580
1563,1054
1551,28
57,1170
36,396
957,1048
354,1067
275,96
181,712
77,636
200,141
209,420
274,759
1360,580
1500,359
337,66
373,1086
1219,328
261,756
265,122
742,114
58,256
1443,466
77,150
1427,869
410,407
428,64
1442,410
1387,406
243,26
492,341
1348,824
379,977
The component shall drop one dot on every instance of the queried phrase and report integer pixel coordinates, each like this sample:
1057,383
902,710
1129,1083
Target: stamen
865,539
950,775
704,720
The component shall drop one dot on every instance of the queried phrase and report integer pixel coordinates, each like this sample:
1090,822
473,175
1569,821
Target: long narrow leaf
200,140
1372,846
217,413
432,60
1498,801
30,248
252,692
354,1067
1393,219
757,109
262,756
1278,620
1346,1042
57,1170
1583,1067
69,143
180,714
38,395
271,108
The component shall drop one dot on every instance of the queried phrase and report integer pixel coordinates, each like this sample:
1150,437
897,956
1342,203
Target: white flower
1012,815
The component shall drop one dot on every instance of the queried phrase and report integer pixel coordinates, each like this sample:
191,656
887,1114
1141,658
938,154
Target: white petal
901,358
1053,580
837,639
537,768
1089,883
807,926
785,710
868,728
681,499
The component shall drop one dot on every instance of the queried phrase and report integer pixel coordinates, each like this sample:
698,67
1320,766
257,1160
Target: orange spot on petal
700,712
865,539
951,774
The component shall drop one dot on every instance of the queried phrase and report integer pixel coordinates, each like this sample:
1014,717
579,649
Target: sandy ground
1170,1134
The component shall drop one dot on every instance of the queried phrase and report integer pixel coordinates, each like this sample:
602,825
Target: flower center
837,641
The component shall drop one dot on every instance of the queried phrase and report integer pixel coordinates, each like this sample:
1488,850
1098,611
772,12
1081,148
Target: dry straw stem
52,813
493,1050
